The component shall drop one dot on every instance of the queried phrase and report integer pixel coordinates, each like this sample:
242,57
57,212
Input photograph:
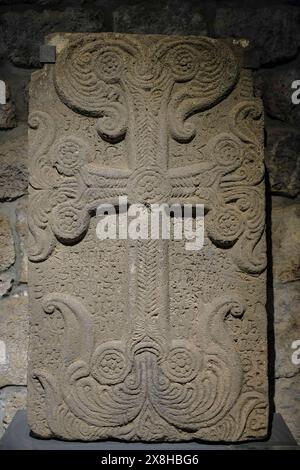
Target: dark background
273,29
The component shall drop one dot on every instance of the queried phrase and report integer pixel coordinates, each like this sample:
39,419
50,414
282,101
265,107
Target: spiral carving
110,364
187,387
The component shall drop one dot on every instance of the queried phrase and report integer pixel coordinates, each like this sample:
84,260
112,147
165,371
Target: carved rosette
237,217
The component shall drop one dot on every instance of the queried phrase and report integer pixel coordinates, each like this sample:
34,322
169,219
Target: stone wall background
273,27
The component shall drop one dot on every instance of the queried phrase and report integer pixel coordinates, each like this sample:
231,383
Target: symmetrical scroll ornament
187,386
106,79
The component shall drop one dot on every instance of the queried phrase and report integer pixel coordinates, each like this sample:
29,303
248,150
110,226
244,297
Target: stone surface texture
285,236
22,233
7,254
283,161
13,167
278,90
126,333
14,340
8,111
274,49
23,49
150,18
7,248
287,400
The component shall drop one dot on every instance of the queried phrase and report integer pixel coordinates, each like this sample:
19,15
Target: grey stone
287,401
145,339
286,242
23,31
277,94
165,17
287,327
272,31
8,111
12,399
13,167
283,161
14,340
7,255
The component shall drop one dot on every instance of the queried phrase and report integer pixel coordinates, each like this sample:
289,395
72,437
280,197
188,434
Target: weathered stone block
13,167
7,246
14,340
165,17
142,339
7,255
287,327
278,91
273,31
283,161
6,282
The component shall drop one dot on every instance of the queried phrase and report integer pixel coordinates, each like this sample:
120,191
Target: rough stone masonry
143,340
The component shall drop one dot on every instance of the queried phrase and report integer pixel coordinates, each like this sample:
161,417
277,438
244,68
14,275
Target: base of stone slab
18,437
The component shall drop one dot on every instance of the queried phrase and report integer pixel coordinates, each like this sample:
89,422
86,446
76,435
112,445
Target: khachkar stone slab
144,340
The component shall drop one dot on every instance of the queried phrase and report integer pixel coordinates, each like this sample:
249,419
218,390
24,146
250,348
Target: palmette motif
149,360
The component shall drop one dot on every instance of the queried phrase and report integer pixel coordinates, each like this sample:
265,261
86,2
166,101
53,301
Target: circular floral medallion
182,364
109,64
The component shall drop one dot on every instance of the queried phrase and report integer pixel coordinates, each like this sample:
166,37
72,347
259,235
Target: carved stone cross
144,340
